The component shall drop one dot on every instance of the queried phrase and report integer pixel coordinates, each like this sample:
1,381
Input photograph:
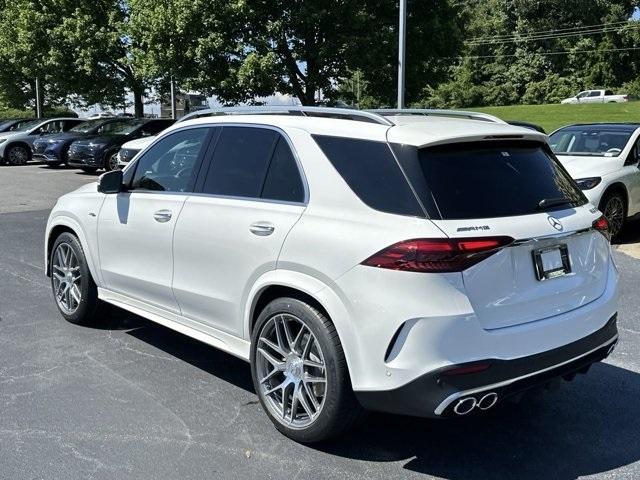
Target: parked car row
603,158
86,144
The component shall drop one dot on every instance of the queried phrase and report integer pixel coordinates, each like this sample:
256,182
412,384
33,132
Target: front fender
70,221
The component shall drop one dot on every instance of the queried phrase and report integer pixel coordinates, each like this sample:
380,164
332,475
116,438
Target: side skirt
236,346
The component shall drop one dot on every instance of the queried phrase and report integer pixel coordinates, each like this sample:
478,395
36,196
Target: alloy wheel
66,279
614,212
291,371
112,163
18,155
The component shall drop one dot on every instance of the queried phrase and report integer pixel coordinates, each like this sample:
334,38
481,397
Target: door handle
162,216
261,229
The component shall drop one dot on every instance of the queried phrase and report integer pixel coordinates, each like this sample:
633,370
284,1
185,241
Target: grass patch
551,117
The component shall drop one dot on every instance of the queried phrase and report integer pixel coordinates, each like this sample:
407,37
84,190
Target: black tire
340,409
89,169
54,164
17,155
613,206
86,312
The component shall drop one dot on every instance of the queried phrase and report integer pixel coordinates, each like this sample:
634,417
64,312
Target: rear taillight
438,255
602,225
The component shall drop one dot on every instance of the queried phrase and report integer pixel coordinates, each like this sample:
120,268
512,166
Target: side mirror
110,182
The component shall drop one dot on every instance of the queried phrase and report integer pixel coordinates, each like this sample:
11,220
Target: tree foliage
459,52
517,51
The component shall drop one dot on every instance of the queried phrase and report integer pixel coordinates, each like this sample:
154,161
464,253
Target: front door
135,228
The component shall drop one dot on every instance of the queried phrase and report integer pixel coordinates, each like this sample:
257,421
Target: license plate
551,262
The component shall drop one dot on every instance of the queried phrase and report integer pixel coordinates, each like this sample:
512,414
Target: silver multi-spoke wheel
112,163
291,371
614,212
66,278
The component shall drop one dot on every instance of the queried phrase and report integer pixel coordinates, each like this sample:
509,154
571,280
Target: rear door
250,196
515,189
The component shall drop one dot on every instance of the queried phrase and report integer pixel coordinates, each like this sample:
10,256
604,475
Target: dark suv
99,151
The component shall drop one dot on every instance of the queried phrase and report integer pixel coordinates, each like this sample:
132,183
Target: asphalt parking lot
132,399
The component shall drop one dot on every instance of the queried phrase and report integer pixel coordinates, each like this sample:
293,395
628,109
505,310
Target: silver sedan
15,146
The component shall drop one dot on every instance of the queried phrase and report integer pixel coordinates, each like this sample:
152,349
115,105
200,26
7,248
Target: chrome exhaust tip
465,406
488,401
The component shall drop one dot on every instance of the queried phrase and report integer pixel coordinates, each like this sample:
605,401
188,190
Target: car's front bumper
439,393
85,161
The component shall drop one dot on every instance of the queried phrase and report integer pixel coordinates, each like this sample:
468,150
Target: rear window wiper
553,202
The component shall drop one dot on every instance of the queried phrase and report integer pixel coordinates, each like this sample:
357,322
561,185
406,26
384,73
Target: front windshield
608,142
28,126
86,127
122,127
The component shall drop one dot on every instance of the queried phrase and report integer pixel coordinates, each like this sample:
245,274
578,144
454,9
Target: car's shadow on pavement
589,426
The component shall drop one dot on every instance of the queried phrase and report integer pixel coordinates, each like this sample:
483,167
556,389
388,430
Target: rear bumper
437,393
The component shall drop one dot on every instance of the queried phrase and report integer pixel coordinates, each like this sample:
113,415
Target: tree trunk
138,105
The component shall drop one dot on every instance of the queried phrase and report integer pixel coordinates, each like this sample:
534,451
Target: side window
594,93
582,94
51,127
153,128
283,180
372,172
170,164
240,162
634,154
69,124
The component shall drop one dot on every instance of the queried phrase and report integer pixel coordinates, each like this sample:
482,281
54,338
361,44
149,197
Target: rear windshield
477,180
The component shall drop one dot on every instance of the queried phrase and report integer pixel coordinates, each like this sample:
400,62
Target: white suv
603,160
426,263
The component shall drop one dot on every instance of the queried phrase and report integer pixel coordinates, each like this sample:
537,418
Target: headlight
2,140
53,141
588,183
97,146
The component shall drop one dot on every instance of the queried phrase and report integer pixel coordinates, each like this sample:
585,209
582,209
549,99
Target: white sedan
603,159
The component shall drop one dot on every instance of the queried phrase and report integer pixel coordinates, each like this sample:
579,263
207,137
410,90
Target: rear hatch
513,188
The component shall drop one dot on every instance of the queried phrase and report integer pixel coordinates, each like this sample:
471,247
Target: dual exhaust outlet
467,404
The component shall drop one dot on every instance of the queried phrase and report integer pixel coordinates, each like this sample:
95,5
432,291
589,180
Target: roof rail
431,112
328,112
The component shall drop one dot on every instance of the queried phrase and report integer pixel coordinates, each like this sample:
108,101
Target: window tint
371,171
170,164
474,180
154,127
594,93
283,180
69,124
51,127
240,162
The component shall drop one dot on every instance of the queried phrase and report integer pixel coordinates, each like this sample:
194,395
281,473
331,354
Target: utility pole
38,102
174,112
402,40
